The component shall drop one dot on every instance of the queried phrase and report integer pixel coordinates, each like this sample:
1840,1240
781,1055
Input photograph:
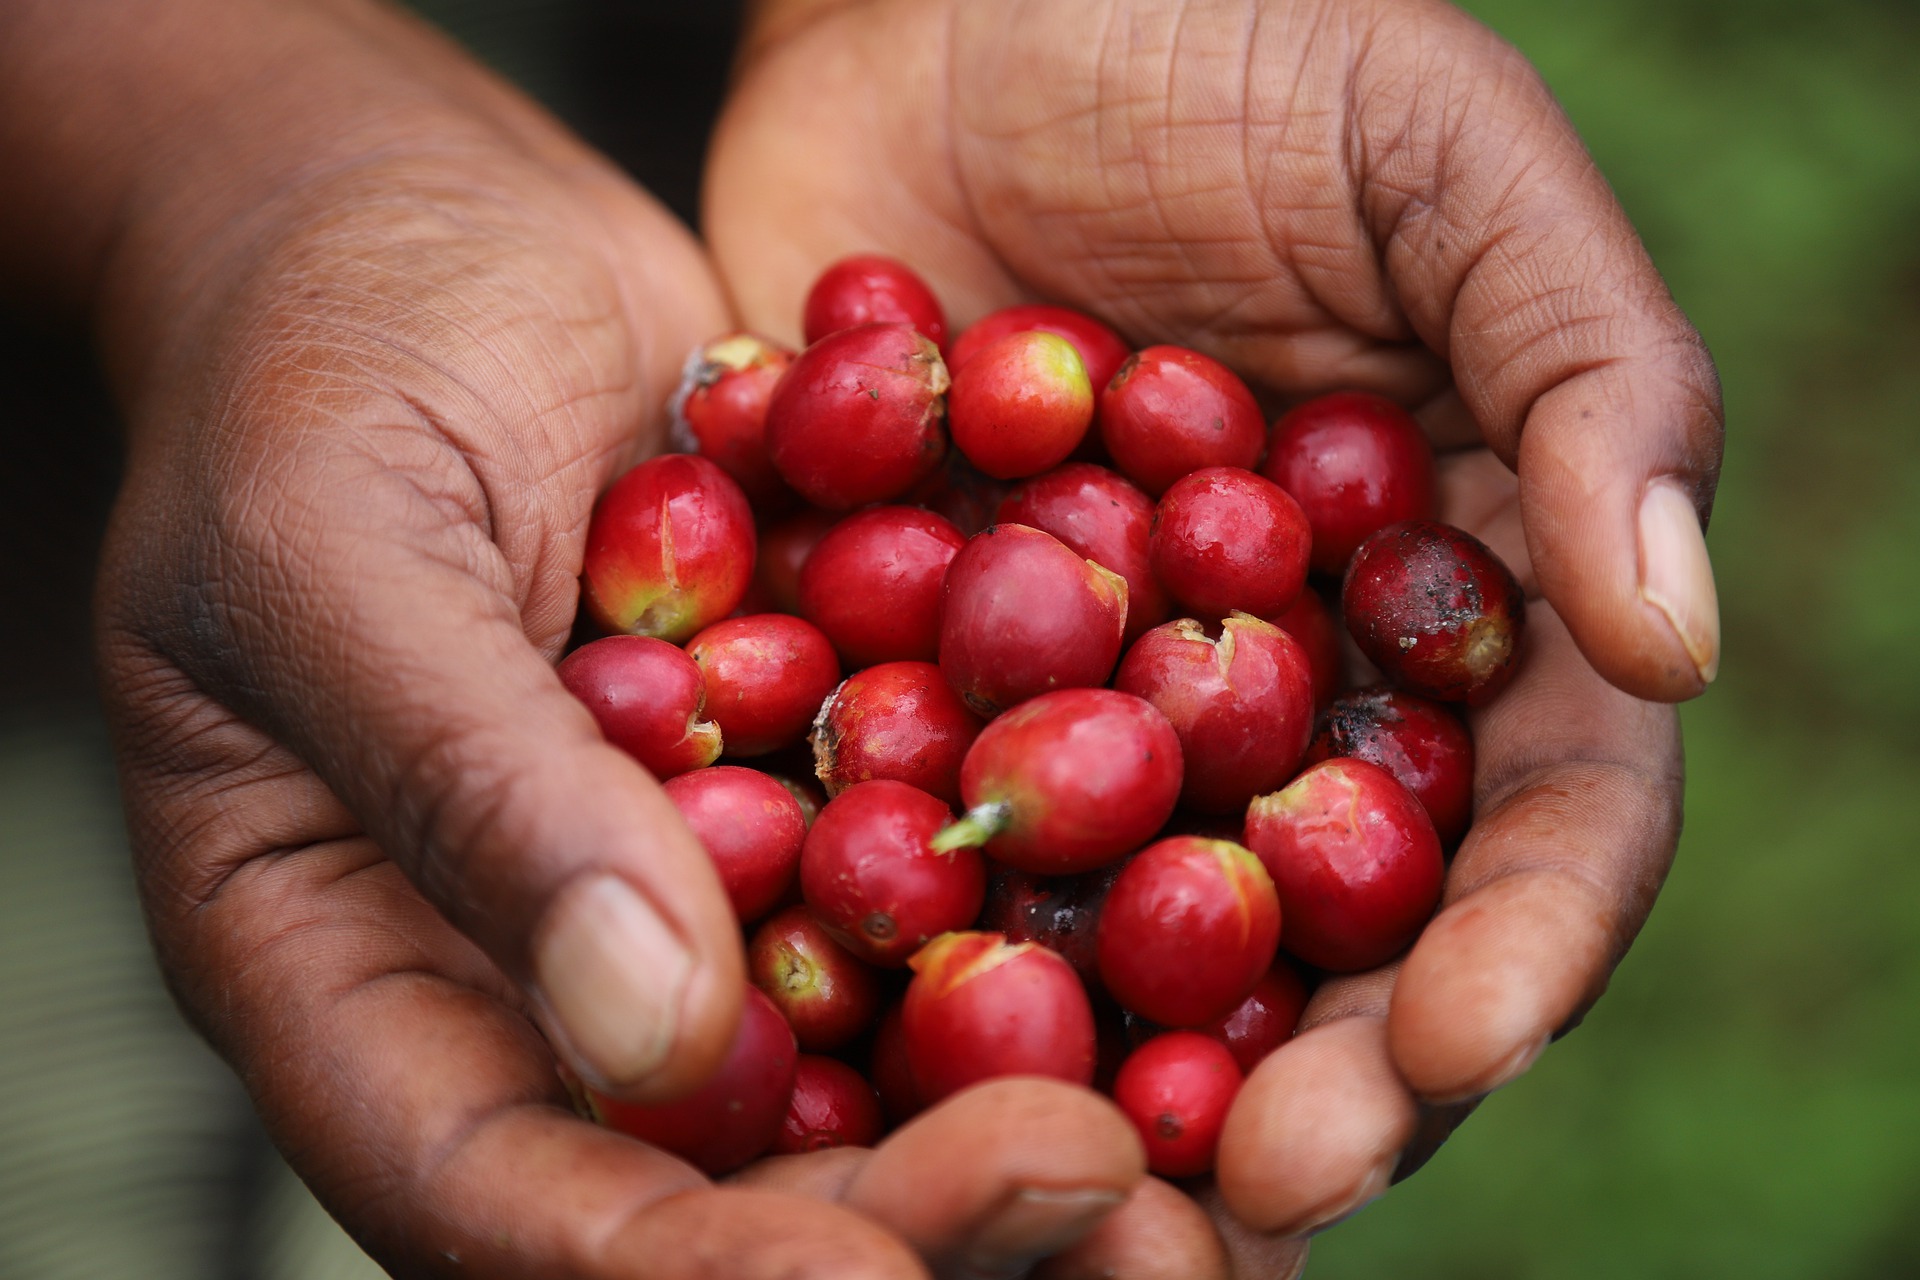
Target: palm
1280,197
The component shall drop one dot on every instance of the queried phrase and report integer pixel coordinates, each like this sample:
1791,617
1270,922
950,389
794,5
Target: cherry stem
982,823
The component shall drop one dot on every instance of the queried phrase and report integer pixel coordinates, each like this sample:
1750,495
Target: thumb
1512,258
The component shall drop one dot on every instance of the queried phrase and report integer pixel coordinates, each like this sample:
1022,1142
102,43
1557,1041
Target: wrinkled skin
382,330
1322,196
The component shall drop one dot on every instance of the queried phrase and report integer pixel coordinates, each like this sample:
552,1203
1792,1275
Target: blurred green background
1746,1100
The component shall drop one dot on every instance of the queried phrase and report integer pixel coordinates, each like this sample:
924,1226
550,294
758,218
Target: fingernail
1371,1188
612,975
1035,1224
1676,576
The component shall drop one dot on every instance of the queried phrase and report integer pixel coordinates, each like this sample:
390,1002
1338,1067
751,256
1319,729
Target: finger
1318,1128
1001,1174
1160,1233
1573,833
824,1175
428,1115
363,615
1511,257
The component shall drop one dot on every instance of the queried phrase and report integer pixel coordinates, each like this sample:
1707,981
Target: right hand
383,331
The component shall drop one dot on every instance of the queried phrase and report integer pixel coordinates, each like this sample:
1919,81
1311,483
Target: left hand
1380,195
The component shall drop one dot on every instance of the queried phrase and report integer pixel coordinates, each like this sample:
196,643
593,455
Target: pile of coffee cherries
1038,759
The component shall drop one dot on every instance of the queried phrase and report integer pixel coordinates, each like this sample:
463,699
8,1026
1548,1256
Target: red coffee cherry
648,698
1355,860
1436,611
669,549
900,721
1177,1089
1169,411
873,584
720,409
1423,744
1226,539
980,1007
832,1106
1103,517
1355,463
868,288
752,828
1188,928
766,675
823,990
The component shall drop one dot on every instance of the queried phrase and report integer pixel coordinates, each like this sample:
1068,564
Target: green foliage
1745,1101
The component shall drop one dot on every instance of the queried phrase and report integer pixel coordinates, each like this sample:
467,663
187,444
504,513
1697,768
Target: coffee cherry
1311,623
1022,405
669,549
1169,411
735,1115
1068,781
721,409
766,677
899,720
1355,463
1242,705
1021,614
1188,928
980,1007
1101,350
648,698
1102,516
859,417
1226,539
784,548
823,991
869,288
873,584
832,1106
752,828
1422,744
1266,1019
1355,861
1177,1089
1436,611
872,877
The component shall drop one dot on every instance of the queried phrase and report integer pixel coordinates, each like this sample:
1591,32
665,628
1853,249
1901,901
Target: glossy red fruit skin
1224,538
1355,860
1021,614
1241,705
869,288
720,409
1423,744
669,550
1311,623
767,675
1177,1089
1169,411
891,1073
859,417
1436,611
980,1007
648,697
752,828
737,1114
1266,1019
784,548
1061,913
832,1106
1070,781
900,721
1103,517
1022,405
871,877
823,990
874,582
1102,351
1355,463
1188,928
